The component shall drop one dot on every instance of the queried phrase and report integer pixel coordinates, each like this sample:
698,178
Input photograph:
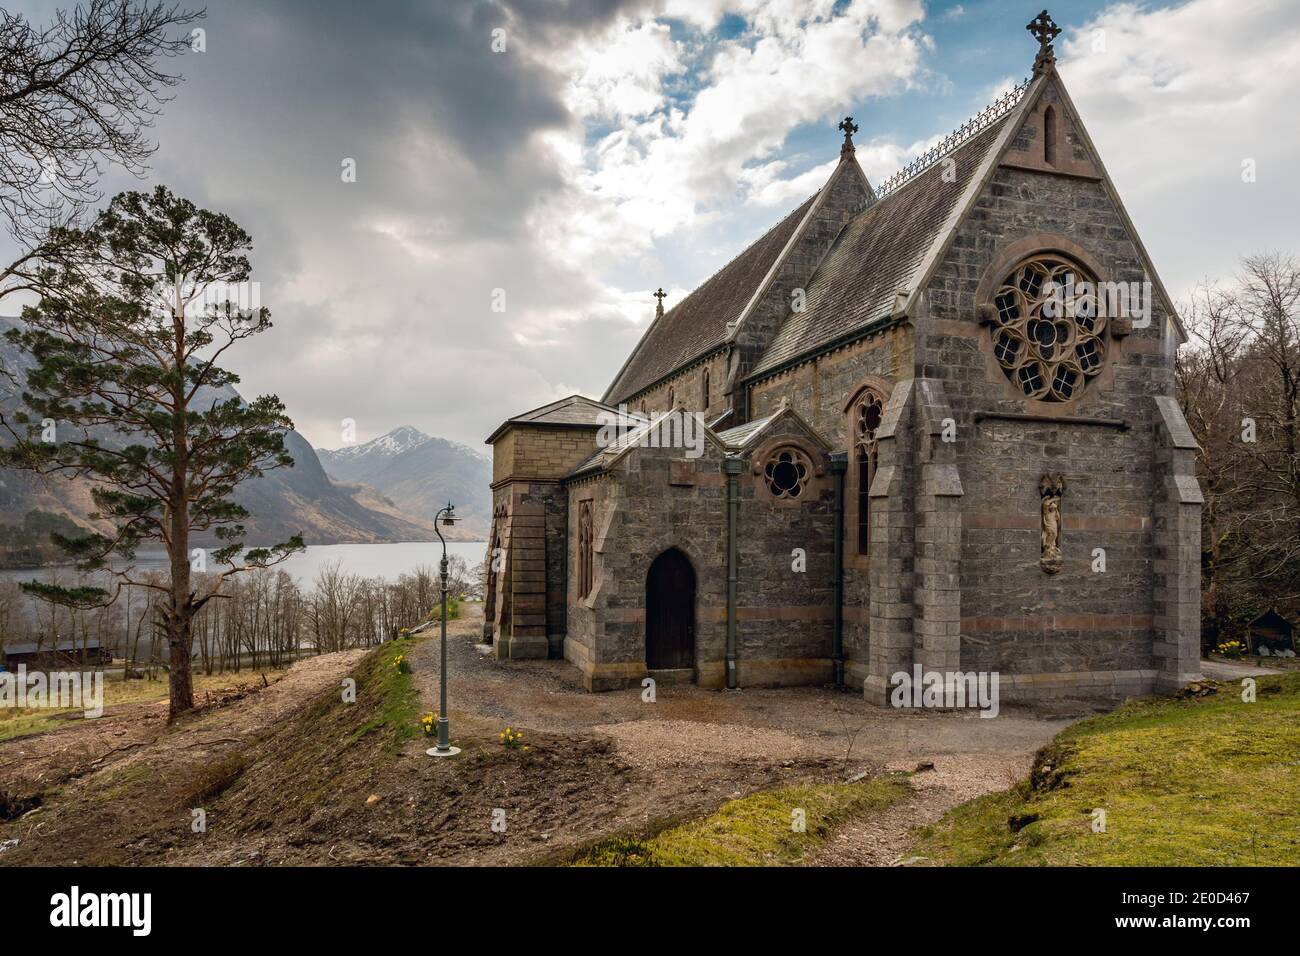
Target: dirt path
883,839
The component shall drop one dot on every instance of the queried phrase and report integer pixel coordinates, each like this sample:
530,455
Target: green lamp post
444,748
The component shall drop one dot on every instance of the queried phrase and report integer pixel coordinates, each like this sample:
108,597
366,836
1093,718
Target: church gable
843,198
744,302
1051,138
873,267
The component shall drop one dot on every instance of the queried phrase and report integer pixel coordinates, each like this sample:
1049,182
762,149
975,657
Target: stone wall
528,463
531,451
785,618
687,389
1080,628
637,514
654,499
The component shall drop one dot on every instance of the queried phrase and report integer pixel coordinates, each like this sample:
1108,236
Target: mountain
419,474
284,501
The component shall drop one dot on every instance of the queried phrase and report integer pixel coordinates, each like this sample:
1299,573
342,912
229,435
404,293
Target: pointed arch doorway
670,613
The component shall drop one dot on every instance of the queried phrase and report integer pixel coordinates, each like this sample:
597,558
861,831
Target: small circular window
787,473
1048,334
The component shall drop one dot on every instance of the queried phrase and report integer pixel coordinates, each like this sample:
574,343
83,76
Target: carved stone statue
1051,488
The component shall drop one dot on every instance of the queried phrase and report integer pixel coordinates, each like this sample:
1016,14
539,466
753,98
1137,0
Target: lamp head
449,518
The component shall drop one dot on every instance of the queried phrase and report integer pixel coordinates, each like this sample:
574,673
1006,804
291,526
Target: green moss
1210,781
755,830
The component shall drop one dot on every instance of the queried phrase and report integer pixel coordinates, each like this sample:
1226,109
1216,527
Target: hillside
282,502
419,474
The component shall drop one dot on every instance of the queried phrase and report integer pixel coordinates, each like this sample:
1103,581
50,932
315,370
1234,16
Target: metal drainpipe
732,466
839,465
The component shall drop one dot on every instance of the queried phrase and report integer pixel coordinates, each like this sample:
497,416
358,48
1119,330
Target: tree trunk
180,620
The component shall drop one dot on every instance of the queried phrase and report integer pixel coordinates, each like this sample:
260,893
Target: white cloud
620,75
1176,99
664,168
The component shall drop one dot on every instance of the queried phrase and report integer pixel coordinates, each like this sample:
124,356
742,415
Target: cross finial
1045,30
848,127
659,306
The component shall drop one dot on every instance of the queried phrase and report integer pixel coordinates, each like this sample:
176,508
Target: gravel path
1234,670
691,741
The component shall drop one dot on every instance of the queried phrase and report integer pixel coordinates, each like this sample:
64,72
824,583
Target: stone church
938,431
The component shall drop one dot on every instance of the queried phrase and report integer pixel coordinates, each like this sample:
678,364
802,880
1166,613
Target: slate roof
598,459
698,323
576,411
877,256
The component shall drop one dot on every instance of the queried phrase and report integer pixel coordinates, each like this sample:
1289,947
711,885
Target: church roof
879,255
640,432
574,411
698,324
738,436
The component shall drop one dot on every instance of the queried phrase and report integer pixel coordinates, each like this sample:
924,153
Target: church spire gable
846,194
1022,145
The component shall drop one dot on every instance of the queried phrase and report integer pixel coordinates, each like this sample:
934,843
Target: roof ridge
722,268
958,137
620,384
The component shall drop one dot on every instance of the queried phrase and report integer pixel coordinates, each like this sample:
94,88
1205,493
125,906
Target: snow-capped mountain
284,501
419,474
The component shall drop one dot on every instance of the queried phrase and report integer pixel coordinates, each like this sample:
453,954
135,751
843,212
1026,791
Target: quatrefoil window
787,473
1049,335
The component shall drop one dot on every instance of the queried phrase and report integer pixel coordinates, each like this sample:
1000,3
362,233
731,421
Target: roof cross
1045,30
659,306
848,127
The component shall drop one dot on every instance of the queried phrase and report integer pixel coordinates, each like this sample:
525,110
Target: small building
60,653
1271,630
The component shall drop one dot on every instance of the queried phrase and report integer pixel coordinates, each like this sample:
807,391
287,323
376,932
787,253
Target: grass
398,709
755,830
18,722
1210,781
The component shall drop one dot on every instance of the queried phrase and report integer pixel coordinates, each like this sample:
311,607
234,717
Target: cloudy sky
579,154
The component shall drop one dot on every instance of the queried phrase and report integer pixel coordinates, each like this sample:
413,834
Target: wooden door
670,613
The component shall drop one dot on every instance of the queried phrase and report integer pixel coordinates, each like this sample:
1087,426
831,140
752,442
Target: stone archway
670,613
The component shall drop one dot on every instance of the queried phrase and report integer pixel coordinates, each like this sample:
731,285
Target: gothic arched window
585,549
1049,135
1048,334
671,404
867,413
704,388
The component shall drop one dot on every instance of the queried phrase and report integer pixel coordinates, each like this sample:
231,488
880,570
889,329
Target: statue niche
1050,489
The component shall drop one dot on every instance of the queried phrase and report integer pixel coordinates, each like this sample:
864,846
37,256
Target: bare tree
1240,386
74,94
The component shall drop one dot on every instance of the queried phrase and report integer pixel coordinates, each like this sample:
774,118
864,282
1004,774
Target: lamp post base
449,752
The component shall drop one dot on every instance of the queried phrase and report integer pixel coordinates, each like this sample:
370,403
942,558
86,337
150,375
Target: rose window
787,473
1048,333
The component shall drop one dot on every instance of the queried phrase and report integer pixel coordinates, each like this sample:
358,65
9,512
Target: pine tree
134,314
